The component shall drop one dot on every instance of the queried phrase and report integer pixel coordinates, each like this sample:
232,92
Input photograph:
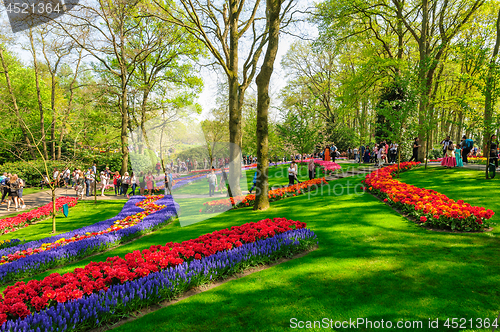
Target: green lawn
278,176
371,263
83,214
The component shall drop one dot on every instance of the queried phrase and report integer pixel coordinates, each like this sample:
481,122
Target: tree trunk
53,108
39,96
490,96
124,129
53,209
14,102
263,101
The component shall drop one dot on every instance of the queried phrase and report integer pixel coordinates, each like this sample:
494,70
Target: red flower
423,218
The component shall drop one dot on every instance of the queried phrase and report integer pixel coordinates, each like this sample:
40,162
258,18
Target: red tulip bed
429,207
106,291
23,220
225,204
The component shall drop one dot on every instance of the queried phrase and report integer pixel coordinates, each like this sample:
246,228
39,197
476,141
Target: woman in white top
133,183
104,182
292,173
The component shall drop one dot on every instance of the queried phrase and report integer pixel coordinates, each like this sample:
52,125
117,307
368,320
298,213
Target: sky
210,77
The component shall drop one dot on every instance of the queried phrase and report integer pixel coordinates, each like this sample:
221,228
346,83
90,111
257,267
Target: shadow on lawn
371,263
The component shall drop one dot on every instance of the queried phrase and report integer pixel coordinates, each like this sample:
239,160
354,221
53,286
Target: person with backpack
254,181
4,185
13,192
333,152
467,146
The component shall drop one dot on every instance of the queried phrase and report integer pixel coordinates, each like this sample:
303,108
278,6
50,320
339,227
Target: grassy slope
277,176
371,263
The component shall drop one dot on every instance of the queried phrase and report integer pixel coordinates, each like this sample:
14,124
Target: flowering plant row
428,206
24,299
326,165
22,220
9,243
225,204
140,215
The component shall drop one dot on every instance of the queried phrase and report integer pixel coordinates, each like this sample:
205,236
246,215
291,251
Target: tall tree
273,19
221,28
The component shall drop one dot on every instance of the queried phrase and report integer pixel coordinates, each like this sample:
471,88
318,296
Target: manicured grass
32,190
278,176
83,214
371,263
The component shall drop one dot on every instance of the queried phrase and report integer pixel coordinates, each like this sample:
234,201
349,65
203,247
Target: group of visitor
12,186
213,185
456,154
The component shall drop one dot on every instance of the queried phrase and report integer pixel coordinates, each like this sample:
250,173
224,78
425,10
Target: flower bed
22,220
106,290
273,195
329,166
9,243
139,215
428,206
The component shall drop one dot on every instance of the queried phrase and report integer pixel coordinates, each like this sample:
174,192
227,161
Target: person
326,154
20,193
393,152
149,182
212,181
87,182
158,168
445,144
493,144
55,177
356,155
104,182
94,168
142,183
66,177
311,167
168,182
449,160
4,184
225,180
415,150
380,154
467,145
366,157
117,182
133,183
92,183
80,185
334,152
361,153
458,155
125,183
13,192
292,174
254,181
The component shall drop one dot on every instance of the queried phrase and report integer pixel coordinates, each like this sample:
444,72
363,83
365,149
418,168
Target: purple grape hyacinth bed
120,299
45,260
